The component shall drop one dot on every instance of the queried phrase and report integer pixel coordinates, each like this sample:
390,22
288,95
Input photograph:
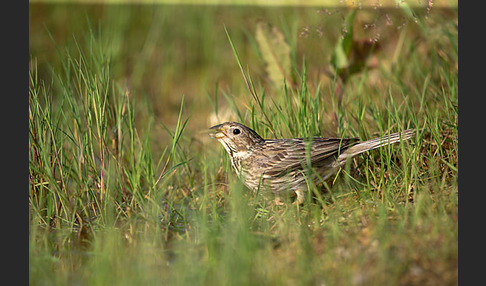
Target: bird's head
235,137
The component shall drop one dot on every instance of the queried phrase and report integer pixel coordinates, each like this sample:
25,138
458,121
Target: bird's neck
237,158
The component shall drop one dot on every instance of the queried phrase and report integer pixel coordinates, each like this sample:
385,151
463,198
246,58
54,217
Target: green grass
126,187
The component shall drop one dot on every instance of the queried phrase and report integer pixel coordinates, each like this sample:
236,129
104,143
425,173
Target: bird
279,165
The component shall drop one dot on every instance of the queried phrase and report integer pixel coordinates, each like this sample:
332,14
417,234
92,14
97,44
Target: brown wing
286,155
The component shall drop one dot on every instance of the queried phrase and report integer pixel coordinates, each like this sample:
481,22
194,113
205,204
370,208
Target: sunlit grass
126,187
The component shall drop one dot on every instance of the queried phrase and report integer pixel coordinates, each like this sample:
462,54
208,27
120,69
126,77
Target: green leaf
340,56
410,13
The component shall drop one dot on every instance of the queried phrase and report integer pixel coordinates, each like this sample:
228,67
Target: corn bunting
279,165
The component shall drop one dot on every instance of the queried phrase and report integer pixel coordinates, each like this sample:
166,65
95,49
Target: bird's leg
300,197
278,201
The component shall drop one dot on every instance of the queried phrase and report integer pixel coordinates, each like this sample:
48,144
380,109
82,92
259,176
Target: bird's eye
236,131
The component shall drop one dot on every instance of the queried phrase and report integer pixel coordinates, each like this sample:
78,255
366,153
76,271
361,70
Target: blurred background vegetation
161,53
357,73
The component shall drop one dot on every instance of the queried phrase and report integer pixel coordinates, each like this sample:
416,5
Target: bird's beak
217,131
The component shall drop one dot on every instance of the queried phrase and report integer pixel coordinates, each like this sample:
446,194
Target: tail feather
375,143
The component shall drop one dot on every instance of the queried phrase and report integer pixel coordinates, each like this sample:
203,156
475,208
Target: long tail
375,143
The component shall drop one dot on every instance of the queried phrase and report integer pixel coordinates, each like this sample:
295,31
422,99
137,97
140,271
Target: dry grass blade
275,52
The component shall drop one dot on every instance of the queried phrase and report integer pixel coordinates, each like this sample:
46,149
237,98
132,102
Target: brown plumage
279,164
